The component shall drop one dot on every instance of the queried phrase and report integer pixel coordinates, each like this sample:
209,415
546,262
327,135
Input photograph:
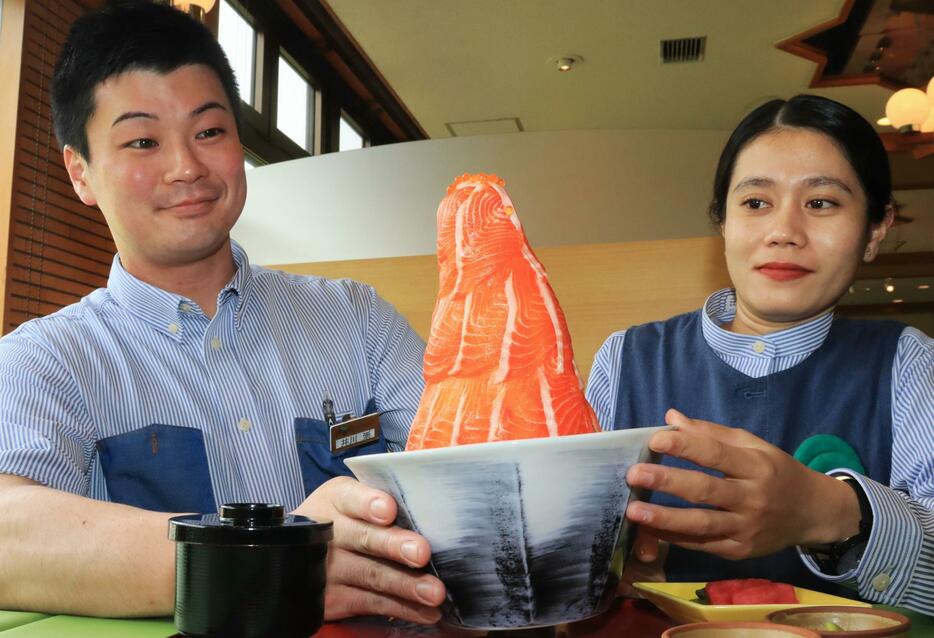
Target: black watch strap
829,556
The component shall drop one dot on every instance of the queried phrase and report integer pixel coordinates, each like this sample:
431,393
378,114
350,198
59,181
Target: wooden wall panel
601,287
58,249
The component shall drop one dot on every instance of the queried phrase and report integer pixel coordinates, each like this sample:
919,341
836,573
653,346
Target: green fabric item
85,627
825,452
10,619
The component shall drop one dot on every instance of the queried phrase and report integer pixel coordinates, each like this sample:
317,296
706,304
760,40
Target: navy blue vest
843,388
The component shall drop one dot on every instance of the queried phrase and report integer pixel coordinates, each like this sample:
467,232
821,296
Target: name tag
354,432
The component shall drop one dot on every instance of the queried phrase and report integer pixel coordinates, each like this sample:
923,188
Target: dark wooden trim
374,98
797,45
885,308
920,145
898,265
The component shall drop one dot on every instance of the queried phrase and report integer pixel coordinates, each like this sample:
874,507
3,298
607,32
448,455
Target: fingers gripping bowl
523,533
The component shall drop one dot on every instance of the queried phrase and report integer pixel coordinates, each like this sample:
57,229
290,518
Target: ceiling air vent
682,50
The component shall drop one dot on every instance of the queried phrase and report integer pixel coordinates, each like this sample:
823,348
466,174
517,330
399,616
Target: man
193,379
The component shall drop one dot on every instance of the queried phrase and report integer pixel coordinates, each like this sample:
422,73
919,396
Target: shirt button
244,425
881,582
216,343
185,307
173,328
759,347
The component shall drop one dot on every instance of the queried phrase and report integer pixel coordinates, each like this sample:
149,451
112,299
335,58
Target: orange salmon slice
499,363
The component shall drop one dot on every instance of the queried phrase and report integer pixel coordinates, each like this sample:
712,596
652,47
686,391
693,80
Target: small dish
678,601
738,630
845,622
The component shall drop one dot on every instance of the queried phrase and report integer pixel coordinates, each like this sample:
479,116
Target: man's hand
372,565
766,500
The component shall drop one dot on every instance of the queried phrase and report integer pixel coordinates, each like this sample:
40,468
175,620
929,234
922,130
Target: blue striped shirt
897,567
131,355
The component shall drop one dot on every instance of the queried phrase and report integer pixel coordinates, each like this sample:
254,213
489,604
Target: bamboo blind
59,249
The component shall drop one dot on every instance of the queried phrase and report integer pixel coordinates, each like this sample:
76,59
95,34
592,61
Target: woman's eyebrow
754,182
824,180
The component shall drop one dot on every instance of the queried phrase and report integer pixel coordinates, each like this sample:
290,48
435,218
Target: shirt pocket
318,463
163,468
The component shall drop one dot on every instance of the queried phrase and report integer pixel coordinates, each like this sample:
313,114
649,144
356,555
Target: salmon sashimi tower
499,363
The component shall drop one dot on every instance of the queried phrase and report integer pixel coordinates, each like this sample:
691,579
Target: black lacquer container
250,572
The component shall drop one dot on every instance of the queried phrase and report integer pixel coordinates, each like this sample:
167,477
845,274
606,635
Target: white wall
569,187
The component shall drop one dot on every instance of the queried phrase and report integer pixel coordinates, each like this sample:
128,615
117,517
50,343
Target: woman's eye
211,132
754,204
821,203
142,143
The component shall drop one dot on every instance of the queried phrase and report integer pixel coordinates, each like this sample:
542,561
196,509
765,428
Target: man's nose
185,165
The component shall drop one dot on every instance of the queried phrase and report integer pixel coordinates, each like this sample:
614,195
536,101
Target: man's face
166,166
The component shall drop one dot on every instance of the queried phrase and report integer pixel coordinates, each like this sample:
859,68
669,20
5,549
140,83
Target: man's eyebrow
207,106
824,180
131,114
754,181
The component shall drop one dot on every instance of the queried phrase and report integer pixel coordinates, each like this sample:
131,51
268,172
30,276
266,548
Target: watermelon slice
747,591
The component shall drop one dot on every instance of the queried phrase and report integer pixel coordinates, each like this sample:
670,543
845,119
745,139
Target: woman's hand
372,565
646,563
766,500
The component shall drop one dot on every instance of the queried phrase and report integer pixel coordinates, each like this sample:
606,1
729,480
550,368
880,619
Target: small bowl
737,630
523,533
853,622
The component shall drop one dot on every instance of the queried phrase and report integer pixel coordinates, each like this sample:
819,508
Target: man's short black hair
133,35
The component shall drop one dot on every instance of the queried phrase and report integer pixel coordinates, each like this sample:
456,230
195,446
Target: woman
802,195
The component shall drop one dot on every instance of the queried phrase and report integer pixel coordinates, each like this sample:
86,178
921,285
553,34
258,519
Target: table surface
626,619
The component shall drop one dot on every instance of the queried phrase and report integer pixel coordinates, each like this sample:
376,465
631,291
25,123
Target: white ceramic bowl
523,533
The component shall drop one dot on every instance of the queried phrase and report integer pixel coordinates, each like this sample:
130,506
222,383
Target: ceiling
455,61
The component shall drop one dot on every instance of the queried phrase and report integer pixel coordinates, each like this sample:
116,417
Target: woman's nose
787,226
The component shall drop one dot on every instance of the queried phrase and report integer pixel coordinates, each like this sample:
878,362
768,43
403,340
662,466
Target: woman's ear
877,233
77,168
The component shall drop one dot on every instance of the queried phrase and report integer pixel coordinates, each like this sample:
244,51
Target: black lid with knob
249,524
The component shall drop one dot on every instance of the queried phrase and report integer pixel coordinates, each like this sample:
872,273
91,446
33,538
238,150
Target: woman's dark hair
134,35
854,136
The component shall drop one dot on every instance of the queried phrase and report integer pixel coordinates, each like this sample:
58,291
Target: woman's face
795,228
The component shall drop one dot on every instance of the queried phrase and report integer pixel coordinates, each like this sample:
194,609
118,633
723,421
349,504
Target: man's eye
754,204
211,132
821,203
142,143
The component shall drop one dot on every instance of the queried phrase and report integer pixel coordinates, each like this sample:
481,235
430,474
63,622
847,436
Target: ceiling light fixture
566,63
889,285
195,8
911,112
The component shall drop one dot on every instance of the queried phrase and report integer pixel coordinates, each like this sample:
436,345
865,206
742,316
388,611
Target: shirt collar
162,309
803,338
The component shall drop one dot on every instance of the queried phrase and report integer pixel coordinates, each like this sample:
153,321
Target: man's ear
77,168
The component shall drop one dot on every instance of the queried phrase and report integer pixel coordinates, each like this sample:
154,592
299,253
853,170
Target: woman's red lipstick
783,271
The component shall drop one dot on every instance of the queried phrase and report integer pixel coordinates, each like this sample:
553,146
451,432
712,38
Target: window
238,39
349,137
301,97
295,106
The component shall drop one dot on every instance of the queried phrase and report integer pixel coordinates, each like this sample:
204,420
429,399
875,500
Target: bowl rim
593,438
738,624
904,621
